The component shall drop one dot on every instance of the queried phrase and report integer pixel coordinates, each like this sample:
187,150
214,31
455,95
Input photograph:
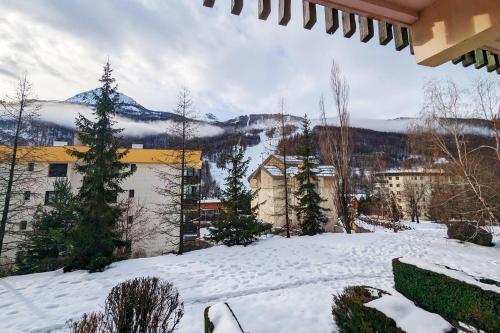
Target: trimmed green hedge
351,316
452,299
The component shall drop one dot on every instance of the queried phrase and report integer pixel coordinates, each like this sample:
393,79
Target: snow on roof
210,200
321,171
410,171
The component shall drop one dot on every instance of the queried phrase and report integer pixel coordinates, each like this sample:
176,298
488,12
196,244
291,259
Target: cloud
239,64
64,114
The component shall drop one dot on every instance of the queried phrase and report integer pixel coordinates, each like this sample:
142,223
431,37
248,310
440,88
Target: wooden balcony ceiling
403,12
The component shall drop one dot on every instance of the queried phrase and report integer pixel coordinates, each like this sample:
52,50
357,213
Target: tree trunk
10,182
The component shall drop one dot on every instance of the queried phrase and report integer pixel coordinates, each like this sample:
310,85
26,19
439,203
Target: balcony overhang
437,31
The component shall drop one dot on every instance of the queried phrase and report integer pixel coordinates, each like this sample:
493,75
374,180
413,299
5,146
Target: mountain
128,107
150,127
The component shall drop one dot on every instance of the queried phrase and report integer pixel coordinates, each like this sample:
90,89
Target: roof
321,171
410,171
134,156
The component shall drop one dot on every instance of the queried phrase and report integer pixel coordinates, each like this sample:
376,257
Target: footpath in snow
276,285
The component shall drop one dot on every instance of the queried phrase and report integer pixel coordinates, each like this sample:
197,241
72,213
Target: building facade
141,225
410,188
267,185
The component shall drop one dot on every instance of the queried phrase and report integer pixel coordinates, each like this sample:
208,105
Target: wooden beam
458,60
481,59
236,7
285,12
309,14
365,28
385,10
400,37
348,24
384,32
208,3
331,20
469,59
493,62
264,9
410,39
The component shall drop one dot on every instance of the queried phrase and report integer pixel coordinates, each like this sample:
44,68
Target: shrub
469,232
351,315
453,299
135,306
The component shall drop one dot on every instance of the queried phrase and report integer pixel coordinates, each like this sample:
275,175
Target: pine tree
93,238
238,224
308,210
46,245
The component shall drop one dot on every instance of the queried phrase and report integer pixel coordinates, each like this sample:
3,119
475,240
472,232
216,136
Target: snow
275,285
455,272
224,322
408,316
88,97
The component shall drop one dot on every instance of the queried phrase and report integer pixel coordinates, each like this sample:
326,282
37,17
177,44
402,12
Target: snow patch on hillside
88,98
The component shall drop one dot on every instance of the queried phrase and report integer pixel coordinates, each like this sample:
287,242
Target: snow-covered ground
276,285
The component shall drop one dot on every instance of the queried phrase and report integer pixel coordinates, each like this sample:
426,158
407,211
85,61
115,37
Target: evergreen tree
93,237
237,224
46,245
308,210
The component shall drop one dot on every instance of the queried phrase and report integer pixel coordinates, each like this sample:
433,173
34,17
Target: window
390,178
421,177
23,225
27,195
190,172
133,167
49,197
31,166
130,219
58,170
398,192
397,185
397,178
131,193
390,185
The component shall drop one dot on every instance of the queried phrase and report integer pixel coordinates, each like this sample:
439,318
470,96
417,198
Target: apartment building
267,185
410,184
145,230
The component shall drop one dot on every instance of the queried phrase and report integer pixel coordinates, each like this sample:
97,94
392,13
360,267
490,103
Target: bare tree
414,194
134,225
336,148
180,180
473,169
17,114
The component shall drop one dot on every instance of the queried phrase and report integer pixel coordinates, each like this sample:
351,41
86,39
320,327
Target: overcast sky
233,65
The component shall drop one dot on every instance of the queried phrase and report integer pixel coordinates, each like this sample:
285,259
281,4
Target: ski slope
275,285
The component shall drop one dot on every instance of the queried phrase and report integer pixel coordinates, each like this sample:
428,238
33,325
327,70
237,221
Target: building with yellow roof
142,197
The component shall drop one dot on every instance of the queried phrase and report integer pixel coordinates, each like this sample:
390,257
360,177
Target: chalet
267,185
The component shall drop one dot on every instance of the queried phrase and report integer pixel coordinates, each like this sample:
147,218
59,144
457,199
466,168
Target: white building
47,164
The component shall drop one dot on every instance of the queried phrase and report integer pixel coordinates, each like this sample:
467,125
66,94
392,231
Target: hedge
455,300
351,315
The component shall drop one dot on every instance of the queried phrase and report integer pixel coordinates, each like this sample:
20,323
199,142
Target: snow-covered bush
456,296
351,314
469,232
135,306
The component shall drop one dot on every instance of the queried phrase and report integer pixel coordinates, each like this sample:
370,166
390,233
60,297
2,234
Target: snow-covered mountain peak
88,98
